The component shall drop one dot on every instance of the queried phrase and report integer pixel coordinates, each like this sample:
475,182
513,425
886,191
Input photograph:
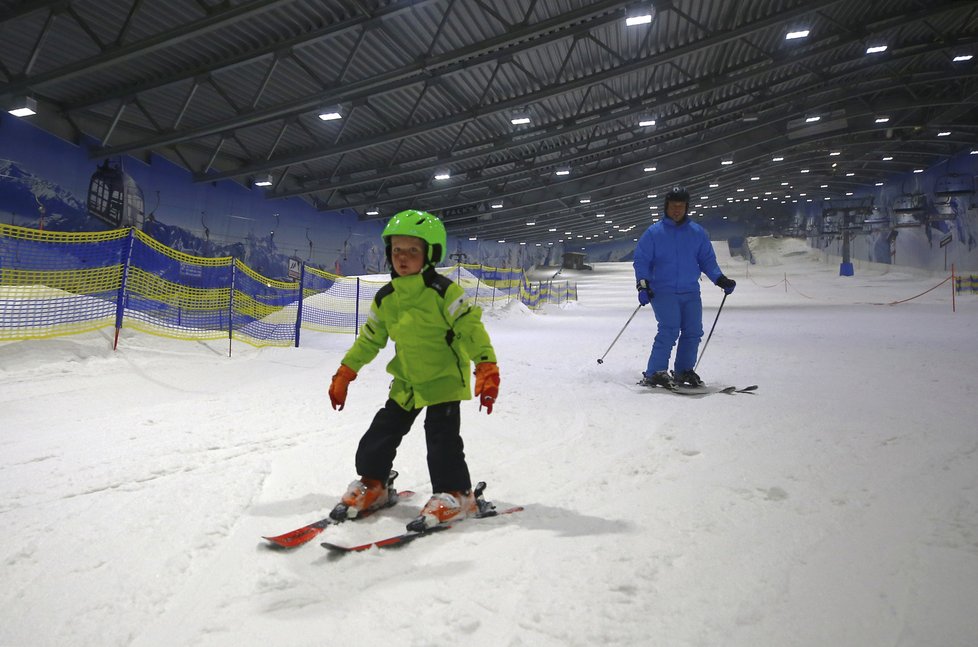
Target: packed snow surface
837,506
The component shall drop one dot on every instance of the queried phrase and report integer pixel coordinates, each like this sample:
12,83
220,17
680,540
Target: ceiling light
519,117
640,14
812,119
585,200
794,35
835,153
755,178
777,158
879,184
960,58
887,158
882,120
750,117
850,174
473,238
726,161
264,181
944,133
373,211
496,205
651,167
645,123
918,170
876,49
714,185
805,170
443,174
530,224
330,114
562,170
23,107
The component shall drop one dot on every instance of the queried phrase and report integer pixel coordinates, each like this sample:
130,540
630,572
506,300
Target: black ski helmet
676,194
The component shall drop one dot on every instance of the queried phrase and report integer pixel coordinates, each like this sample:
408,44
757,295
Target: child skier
437,333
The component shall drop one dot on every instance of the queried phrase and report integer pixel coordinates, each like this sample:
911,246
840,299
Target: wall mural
48,183
924,220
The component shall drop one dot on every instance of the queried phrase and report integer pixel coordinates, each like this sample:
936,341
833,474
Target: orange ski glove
337,388
487,384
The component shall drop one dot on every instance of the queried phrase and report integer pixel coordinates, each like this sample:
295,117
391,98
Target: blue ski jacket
671,257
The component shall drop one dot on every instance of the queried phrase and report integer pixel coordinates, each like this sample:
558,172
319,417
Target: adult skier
669,258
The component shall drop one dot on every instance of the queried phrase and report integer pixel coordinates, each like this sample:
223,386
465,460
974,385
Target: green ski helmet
419,224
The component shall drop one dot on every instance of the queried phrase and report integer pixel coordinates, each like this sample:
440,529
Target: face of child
407,254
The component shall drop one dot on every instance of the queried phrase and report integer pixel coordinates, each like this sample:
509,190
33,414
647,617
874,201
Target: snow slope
837,506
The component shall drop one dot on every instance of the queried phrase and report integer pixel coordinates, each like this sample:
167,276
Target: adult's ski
409,536
305,534
700,390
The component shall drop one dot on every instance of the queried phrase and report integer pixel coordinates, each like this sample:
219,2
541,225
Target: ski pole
707,342
601,359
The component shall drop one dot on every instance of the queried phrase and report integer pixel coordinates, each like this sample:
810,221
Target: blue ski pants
680,317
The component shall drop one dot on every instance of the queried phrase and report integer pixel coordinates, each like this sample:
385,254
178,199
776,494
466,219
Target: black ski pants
446,456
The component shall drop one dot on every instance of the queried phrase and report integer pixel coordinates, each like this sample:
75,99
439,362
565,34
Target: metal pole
707,343
601,359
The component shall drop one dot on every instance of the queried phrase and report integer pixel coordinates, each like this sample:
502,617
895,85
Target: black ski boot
689,378
659,378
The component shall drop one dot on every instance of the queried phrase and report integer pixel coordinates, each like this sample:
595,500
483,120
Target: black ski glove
645,293
725,284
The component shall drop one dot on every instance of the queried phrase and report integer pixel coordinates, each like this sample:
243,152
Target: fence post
298,312
231,307
120,301
356,310
954,291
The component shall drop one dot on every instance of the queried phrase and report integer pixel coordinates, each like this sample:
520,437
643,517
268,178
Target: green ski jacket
437,333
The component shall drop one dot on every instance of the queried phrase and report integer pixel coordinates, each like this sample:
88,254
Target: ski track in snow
836,506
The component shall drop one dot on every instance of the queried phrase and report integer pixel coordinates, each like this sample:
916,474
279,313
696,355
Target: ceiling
233,90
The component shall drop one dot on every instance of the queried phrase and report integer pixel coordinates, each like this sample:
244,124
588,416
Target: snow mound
771,251
514,309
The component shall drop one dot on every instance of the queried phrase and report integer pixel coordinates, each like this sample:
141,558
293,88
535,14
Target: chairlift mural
909,203
953,193
114,197
830,222
909,209
876,219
